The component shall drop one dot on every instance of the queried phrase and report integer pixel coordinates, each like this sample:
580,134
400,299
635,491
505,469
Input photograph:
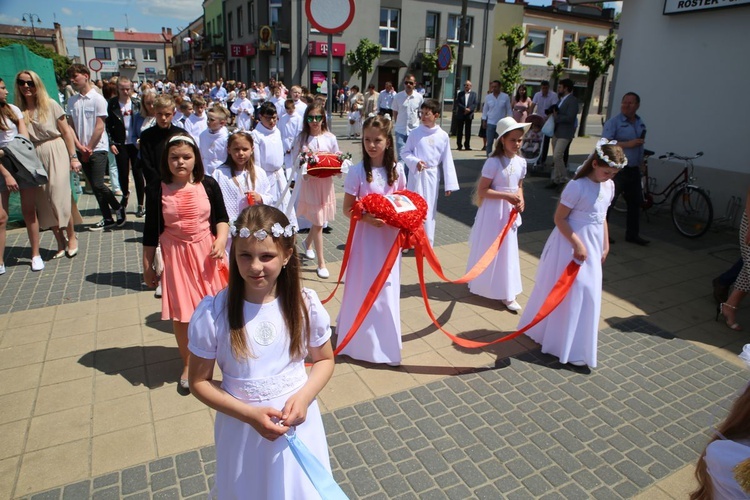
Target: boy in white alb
244,109
197,122
269,155
428,148
213,140
355,122
290,125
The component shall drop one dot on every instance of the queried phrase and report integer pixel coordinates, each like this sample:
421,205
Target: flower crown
261,234
386,117
605,158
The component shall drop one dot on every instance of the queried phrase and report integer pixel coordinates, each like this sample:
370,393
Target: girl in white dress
244,109
570,332
378,340
317,199
240,182
259,330
722,469
499,190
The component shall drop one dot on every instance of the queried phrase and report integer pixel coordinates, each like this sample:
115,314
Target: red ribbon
418,240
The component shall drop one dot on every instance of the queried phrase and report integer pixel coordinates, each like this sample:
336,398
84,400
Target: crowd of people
222,176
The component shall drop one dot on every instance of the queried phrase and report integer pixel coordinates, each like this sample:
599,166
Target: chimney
111,29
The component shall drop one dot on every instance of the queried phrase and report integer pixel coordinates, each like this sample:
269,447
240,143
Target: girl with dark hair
570,332
317,199
186,218
259,331
521,104
11,125
378,340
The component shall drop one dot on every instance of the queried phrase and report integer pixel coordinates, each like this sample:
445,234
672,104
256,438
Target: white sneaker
2,268
323,273
512,305
37,264
157,292
310,253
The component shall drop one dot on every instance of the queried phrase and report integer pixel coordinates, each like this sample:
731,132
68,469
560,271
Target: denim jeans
400,143
95,169
491,136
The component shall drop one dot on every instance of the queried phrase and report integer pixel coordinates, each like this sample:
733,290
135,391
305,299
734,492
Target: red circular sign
330,16
95,64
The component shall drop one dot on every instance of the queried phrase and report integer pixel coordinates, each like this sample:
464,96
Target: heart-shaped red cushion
328,164
396,211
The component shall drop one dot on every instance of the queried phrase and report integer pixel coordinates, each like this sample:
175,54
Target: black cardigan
154,224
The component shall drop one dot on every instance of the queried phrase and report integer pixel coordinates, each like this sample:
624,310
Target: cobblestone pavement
524,428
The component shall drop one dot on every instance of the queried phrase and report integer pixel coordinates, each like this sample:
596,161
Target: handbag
549,126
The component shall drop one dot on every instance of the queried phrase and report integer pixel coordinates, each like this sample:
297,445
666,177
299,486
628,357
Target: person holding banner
499,190
570,332
378,339
259,330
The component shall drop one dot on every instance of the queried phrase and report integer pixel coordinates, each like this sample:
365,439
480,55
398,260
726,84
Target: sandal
730,322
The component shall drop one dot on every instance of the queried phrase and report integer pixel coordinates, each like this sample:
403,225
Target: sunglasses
26,83
409,83
314,118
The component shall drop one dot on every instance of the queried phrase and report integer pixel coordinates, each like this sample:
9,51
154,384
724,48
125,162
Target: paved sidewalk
88,406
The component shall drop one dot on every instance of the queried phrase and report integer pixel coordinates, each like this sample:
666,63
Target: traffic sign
95,64
330,16
444,57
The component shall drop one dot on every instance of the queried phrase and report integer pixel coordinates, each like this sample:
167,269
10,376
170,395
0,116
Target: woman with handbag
55,146
11,125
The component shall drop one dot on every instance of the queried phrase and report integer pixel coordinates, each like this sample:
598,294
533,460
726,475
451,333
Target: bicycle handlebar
671,155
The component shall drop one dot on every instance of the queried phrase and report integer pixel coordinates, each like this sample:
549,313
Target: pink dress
189,271
317,199
521,110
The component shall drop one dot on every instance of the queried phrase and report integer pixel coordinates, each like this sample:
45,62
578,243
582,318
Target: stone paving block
626,489
143,495
48,495
573,492
469,473
106,480
188,464
163,479
352,424
134,479
383,470
170,494
519,468
363,481
399,455
372,453
76,491
458,492
521,494
193,486
374,421
110,493
360,436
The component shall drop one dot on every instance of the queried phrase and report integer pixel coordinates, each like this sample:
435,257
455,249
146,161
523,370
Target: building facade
138,56
52,38
213,53
187,64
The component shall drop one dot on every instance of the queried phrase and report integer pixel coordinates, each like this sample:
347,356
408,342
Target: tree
597,57
557,71
60,63
510,69
360,59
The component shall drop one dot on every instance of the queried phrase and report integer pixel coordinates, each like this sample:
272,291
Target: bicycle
691,207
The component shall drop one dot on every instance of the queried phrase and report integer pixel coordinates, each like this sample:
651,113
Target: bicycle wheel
692,211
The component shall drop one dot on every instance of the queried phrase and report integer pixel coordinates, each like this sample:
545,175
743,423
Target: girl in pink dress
186,217
317,199
259,331
378,340
521,104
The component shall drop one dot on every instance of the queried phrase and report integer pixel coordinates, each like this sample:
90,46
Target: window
539,38
567,38
149,55
389,25
454,25
102,53
274,12
250,16
239,22
123,54
433,25
229,26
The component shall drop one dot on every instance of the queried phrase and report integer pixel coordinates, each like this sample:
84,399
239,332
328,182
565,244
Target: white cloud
66,11
5,19
184,10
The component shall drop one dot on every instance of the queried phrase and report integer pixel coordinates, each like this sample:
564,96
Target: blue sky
142,15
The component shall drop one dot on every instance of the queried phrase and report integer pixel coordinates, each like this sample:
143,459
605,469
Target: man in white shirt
299,105
542,101
496,107
88,111
385,99
406,106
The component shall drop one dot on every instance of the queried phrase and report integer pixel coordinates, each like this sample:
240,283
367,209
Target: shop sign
321,49
680,6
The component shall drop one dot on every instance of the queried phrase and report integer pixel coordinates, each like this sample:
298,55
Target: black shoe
327,230
721,292
140,212
637,240
467,148
459,148
104,224
304,230
121,217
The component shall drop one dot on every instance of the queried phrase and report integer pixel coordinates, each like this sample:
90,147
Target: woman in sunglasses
317,200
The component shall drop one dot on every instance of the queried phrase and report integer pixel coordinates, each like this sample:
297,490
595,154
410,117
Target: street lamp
31,19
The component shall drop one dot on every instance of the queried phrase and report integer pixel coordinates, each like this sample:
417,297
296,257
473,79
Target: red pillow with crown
402,209
324,164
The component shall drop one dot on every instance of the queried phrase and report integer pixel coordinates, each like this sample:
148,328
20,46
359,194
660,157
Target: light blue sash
316,472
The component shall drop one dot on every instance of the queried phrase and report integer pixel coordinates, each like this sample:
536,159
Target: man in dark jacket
119,121
465,106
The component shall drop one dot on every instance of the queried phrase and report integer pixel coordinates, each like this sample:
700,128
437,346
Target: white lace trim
264,389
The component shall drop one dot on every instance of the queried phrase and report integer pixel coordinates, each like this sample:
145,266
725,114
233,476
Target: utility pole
461,38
